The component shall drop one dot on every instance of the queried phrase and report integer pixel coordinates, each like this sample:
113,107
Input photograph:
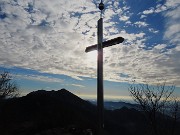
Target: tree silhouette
158,105
8,88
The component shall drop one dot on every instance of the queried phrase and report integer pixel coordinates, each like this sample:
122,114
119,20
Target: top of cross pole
105,43
101,7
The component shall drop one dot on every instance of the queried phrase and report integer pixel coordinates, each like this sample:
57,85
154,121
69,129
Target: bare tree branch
8,88
154,101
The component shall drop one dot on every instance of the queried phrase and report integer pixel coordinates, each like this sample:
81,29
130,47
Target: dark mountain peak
54,94
65,92
61,96
43,110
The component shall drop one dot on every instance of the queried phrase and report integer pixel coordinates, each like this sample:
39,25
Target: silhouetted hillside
42,110
61,112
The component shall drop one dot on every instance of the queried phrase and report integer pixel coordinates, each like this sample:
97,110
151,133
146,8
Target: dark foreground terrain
63,113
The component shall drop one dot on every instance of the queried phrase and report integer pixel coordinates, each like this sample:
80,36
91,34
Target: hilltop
61,112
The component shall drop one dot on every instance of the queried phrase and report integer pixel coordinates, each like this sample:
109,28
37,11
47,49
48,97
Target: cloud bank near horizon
51,36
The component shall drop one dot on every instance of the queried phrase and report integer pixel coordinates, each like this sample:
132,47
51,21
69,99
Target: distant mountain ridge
113,105
110,105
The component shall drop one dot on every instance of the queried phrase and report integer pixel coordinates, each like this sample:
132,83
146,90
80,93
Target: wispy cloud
173,22
141,24
149,11
38,78
78,85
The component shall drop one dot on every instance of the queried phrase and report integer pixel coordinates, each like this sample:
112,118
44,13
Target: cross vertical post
100,97
99,47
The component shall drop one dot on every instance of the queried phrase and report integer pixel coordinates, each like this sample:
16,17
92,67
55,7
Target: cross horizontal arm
108,43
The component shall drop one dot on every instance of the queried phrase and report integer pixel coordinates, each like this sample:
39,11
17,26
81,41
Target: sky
42,44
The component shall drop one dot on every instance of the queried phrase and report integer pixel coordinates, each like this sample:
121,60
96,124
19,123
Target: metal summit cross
99,47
